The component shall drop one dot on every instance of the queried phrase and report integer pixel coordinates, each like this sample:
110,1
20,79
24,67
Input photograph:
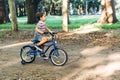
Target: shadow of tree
92,56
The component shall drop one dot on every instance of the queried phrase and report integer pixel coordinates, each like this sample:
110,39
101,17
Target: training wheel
23,62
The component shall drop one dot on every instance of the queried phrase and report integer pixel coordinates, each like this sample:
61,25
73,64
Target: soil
93,55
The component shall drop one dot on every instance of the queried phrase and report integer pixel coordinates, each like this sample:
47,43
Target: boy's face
43,18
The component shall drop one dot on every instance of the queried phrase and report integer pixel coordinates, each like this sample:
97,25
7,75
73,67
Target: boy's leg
42,47
43,40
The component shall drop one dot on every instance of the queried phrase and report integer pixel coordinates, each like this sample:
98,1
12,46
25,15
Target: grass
110,26
55,22
75,21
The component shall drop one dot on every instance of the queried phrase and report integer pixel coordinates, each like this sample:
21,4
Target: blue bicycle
57,55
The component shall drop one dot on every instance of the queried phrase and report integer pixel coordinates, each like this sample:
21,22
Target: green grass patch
110,26
75,21
55,22
20,25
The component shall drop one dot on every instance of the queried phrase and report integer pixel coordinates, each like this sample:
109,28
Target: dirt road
92,56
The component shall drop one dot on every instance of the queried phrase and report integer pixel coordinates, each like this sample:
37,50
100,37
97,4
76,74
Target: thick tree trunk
31,8
13,15
65,15
108,12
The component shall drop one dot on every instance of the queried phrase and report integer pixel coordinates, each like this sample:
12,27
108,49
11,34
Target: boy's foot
43,56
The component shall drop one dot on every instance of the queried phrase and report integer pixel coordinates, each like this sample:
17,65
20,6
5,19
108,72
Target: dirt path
93,56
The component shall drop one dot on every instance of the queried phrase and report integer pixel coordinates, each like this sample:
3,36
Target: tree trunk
65,15
68,11
31,8
108,12
13,15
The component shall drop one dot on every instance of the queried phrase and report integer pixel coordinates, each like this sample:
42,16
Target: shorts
40,36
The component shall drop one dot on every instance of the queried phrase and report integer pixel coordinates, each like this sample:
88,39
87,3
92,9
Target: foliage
53,7
89,5
19,2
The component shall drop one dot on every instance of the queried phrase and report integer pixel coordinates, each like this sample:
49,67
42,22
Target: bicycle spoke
59,58
27,55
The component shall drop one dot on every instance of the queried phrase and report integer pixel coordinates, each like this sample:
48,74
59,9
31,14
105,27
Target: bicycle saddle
35,41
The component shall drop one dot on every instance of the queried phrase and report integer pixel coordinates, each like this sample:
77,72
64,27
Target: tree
13,15
31,8
108,12
20,7
65,15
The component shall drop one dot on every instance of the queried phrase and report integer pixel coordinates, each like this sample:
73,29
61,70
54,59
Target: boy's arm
48,30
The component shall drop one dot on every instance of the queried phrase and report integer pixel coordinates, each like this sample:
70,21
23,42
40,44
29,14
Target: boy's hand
45,32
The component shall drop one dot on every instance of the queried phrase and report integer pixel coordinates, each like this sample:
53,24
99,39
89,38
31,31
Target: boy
40,29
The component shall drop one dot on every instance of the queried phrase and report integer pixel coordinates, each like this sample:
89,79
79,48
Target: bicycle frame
28,52
52,44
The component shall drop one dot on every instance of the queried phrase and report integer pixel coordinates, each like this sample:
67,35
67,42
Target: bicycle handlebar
52,34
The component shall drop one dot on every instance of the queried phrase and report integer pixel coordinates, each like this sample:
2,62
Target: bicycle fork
56,51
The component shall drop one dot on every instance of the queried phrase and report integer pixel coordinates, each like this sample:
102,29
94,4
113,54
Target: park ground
94,54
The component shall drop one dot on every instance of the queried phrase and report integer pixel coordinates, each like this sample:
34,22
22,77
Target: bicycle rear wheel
28,54
58,57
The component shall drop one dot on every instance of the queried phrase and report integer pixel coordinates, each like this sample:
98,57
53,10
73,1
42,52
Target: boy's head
41,16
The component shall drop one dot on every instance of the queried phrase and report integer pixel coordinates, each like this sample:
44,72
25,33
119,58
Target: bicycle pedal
45,58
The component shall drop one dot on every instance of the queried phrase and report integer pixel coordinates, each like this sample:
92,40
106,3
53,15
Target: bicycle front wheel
27,54
58,57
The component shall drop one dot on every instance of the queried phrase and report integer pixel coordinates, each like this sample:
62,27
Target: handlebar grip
45,32
54,32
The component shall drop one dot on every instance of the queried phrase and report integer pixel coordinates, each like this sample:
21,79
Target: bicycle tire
57,60
27,55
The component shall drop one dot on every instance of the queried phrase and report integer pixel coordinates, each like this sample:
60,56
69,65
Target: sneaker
43,56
